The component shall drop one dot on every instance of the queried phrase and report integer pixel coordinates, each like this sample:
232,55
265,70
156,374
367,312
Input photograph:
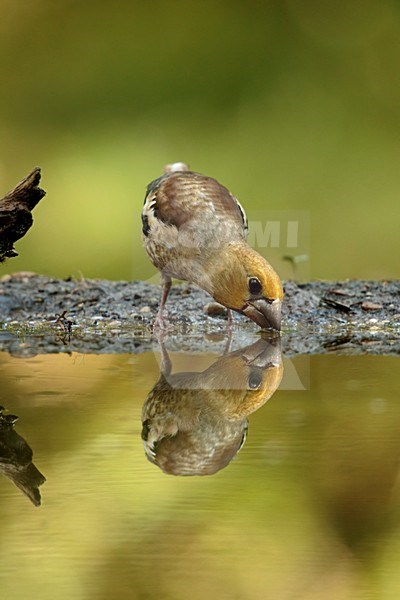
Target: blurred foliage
308,509
294,105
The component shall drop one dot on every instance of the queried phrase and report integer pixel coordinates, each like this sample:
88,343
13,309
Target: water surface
308,507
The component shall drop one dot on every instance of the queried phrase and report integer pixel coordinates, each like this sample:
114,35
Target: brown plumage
194,229
195,423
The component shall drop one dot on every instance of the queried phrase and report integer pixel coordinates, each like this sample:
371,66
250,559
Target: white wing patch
242,212
150,204
148,218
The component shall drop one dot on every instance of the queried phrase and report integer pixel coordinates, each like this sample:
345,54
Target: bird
194,423
194,229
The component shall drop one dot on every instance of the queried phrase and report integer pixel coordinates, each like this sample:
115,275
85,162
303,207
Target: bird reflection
194,423
16,459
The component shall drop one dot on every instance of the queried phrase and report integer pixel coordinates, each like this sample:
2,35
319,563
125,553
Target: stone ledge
40,315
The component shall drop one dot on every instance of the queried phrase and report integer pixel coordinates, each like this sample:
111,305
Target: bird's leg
228,345
229,330
160,322
166,365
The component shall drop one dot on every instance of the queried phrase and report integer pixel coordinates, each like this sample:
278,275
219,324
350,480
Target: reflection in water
310,509
194,423
16,459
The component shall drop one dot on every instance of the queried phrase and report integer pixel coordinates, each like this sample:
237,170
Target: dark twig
15,212
63,322
335,304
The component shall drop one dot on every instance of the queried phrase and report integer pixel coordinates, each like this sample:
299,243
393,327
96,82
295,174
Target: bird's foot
160,323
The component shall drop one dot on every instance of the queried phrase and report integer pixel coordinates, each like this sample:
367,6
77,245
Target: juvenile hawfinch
194,229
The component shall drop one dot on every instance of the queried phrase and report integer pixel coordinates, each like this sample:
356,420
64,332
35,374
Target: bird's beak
266,314
264,353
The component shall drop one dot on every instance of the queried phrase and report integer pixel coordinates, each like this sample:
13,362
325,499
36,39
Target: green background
294,105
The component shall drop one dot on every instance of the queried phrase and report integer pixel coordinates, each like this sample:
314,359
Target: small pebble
23,275
145,309
371,306
215,337
213,309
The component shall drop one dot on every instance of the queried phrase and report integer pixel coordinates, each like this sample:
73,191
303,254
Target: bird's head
244,281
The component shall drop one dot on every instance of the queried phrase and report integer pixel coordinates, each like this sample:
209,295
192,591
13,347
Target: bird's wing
186,198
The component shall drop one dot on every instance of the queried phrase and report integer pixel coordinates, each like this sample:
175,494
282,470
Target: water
307,508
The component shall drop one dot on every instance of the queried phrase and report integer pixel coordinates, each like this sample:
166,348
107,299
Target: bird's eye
255,286
255,380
